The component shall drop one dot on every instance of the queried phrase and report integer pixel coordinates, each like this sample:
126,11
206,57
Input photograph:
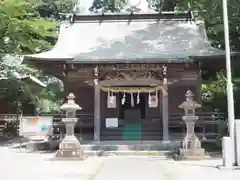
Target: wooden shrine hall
130,72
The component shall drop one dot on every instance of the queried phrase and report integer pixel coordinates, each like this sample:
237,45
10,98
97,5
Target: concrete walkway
16,165
140,168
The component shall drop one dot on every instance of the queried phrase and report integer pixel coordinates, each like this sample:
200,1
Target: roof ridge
177,15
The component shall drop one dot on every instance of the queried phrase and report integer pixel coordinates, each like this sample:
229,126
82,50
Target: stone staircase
114,148
130,148
149,132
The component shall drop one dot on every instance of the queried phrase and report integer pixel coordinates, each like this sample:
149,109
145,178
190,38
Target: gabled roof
113,38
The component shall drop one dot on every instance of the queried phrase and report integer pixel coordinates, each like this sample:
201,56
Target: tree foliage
212,13
21,28
29,26
22,31
52,8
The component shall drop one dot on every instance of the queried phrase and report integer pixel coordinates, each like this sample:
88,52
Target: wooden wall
107,112
176,95
85,98
183,79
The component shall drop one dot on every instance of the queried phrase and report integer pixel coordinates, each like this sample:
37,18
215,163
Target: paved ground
138,168
35,166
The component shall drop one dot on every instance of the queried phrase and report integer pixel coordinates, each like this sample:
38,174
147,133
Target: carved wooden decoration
134,78
130,75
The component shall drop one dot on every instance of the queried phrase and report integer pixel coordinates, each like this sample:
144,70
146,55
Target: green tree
22,31
52,8
212,13
21,28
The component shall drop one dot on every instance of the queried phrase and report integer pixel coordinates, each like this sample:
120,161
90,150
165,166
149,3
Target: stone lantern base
190,154
191,149
70,149
70,154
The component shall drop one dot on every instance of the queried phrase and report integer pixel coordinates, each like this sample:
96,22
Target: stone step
130,146
162,154
134,131
152,137
120,137
144,128
115,145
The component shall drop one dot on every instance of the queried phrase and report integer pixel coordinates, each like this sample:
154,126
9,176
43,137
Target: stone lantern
191,146
70,146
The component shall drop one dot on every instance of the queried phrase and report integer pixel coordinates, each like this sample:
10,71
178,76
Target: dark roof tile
131,41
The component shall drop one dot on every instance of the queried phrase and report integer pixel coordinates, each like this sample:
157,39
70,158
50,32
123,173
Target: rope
132,89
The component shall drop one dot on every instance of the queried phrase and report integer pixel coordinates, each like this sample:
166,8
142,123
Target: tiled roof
130,41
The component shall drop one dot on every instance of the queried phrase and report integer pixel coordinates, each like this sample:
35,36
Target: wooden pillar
66,93
97,119
165,115
199,87
65,80
199,84
165,105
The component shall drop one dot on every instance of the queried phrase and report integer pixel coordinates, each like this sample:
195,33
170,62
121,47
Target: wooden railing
8,117
84,120
4,120
206,126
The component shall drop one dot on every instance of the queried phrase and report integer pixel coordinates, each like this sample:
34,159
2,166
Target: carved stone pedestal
70,146
71,153
191,154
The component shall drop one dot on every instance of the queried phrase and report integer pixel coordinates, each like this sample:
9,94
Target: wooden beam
133,66
140,82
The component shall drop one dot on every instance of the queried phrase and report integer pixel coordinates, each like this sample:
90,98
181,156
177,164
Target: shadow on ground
108,149
6,142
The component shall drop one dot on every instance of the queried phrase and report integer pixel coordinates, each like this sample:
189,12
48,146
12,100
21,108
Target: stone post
70,147
191,146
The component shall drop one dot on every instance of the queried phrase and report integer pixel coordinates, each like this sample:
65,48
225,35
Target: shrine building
130,71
